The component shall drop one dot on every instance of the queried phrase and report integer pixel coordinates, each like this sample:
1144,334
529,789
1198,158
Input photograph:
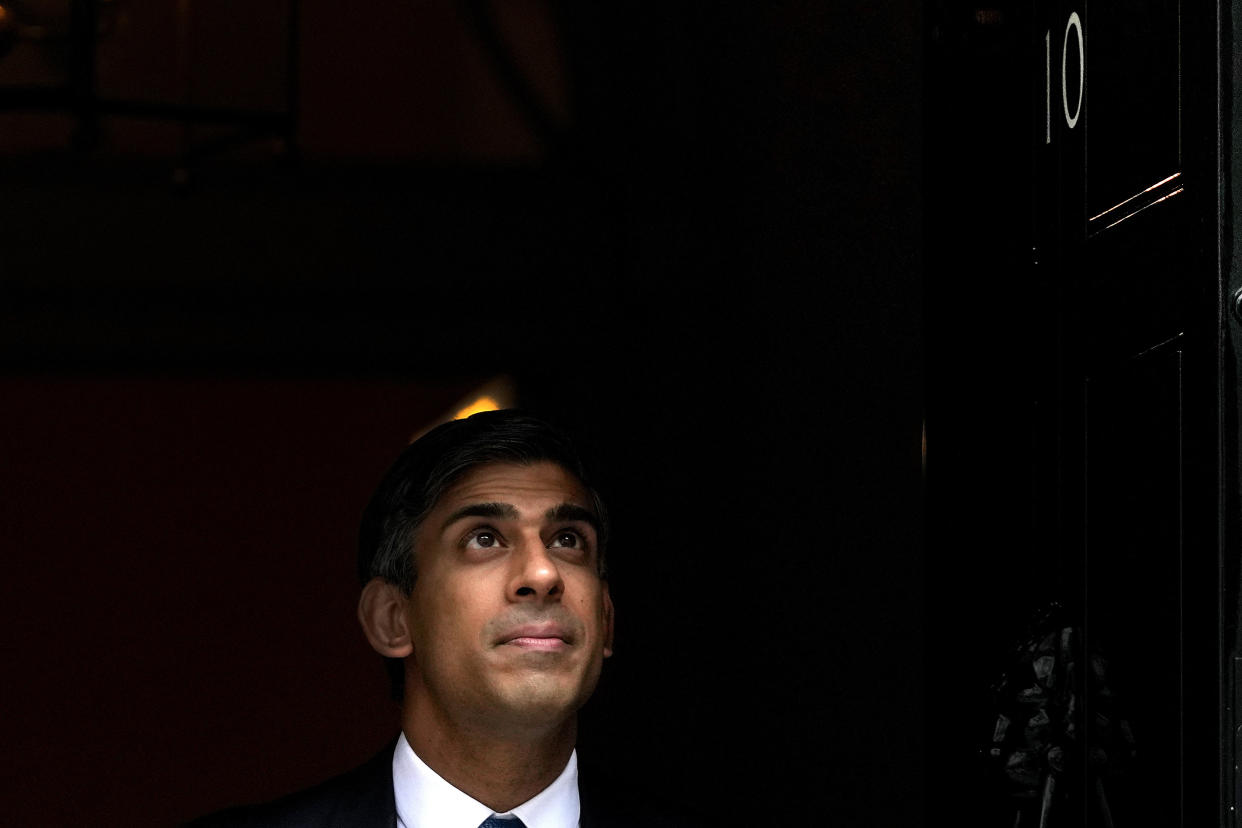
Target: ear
608,621
381,612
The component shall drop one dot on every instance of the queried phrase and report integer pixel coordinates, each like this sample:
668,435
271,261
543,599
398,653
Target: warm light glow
493,395
481,404
1137,195
1141,209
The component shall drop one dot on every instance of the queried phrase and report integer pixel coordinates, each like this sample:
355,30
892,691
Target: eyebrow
572,511
507,511
489,510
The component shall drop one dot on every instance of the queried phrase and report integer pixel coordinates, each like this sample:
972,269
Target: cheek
454,615
590,606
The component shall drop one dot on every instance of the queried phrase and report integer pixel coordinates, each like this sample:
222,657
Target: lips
541,636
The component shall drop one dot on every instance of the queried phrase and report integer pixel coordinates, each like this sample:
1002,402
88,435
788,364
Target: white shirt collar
425,800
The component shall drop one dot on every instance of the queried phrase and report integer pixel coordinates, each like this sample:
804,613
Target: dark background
700,249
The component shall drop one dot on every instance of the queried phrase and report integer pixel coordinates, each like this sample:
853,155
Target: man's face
509,618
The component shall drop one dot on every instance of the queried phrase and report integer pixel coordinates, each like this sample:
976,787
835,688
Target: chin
544,700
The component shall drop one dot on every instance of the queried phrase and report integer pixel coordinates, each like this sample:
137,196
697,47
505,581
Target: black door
1081,446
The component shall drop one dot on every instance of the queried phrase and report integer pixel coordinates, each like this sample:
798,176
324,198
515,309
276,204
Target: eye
482,539
567,540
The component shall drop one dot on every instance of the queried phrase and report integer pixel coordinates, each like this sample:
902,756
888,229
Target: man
482,560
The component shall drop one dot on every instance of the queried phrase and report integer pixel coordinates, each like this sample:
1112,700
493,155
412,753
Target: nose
535,575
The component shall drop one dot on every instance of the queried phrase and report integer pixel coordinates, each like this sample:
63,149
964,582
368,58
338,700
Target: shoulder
608,801
361,798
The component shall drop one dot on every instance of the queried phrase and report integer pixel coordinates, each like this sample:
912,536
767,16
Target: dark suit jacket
363,798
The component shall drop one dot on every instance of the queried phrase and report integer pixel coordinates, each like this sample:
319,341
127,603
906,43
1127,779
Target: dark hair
429,466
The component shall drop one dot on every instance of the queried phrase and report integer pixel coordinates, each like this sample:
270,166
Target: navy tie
497,822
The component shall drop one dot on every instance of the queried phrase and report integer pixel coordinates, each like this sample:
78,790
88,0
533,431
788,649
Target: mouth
527,642
536,637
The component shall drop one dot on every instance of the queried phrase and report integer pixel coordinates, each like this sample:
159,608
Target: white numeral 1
1047,87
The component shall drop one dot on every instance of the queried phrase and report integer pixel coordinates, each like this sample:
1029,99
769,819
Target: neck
501,770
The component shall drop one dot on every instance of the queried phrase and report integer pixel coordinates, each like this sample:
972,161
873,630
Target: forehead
514,483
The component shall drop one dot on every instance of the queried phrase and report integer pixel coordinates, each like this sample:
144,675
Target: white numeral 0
1076,24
